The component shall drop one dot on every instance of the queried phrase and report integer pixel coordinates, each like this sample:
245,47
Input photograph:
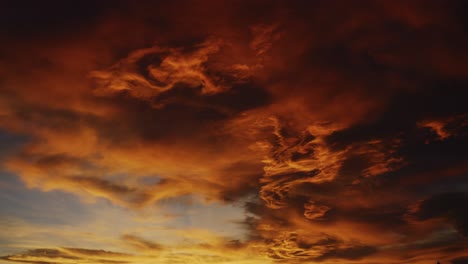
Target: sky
247,132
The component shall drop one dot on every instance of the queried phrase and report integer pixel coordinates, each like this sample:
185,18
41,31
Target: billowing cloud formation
289,246
339,129
163,72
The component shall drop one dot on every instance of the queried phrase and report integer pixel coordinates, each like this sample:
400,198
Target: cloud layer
339,129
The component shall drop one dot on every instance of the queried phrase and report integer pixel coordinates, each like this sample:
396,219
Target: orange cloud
325,120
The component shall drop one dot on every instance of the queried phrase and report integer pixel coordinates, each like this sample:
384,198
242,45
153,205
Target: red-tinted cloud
340,126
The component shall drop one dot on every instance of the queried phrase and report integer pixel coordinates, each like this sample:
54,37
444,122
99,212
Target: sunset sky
234,132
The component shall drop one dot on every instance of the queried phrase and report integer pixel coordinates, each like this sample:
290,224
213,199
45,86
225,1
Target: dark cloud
182,111
11,143
27,19
450,206
405,111
350,253
461,260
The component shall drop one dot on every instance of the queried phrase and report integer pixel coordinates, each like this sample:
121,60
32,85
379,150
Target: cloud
293,247
326,120
69,255
313,211
140,243
461,260
149,72
445,128
448,206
